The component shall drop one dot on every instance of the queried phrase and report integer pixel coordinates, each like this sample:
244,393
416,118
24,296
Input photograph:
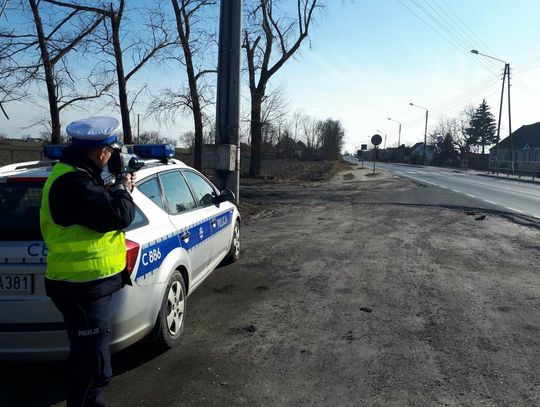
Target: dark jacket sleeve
74,198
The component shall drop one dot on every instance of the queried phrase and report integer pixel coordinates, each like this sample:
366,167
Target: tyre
170,321
234,251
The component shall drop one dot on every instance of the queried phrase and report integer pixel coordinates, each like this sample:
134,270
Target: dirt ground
368,298
358,291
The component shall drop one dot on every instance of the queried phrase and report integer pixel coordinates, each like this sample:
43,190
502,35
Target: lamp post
425,130
399,131
505,74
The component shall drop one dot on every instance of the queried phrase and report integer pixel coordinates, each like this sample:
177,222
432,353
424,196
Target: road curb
526,181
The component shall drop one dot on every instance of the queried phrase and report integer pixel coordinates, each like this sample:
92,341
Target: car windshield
19,209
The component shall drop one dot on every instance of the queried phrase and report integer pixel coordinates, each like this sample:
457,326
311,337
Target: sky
368,59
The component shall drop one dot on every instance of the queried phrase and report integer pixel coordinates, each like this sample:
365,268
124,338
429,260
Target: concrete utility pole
425,130
505,74
507,66
228,89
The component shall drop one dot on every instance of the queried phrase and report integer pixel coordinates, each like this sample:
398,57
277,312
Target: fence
16,152
519,168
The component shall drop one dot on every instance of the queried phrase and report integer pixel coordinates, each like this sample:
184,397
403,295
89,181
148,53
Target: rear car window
138,221
19,211
152,191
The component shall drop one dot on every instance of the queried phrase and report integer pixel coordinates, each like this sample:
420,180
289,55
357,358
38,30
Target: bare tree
456,129
153,137
267,32
295,124
21,65
186,14
196,43
332,135
310,134
274,108
145,47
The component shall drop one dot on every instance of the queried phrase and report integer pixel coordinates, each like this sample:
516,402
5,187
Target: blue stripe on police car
153,253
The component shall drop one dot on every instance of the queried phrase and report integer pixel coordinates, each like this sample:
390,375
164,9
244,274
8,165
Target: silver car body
193,242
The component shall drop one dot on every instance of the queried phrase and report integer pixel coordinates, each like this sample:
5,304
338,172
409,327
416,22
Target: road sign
527,147
376,139
363,147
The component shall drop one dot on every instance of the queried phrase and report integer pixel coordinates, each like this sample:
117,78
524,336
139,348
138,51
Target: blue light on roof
54,151
158,151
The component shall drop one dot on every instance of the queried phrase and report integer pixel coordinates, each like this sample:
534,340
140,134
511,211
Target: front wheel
170,322
234,251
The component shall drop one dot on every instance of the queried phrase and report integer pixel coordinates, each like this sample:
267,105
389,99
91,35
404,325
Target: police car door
220,216
190,221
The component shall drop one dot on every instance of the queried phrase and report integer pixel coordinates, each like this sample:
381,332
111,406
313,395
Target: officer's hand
129,181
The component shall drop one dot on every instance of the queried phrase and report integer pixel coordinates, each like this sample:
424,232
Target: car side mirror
225,195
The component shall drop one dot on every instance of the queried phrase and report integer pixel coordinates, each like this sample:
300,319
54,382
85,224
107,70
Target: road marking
529,190
490,202
514,210
442,186
472,196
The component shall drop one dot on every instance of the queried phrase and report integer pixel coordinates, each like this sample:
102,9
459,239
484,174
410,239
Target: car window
19,210
201,188
138,220
152,191
177,193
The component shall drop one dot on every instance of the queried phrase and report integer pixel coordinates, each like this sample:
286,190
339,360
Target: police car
183,229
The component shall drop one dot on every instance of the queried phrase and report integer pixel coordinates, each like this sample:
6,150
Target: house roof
525,134
288,143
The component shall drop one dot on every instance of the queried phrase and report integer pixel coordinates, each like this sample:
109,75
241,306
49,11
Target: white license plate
16,284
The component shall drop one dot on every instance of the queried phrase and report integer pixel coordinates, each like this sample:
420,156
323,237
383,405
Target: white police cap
94,131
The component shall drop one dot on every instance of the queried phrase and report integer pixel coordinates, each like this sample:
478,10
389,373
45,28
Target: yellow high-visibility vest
77,253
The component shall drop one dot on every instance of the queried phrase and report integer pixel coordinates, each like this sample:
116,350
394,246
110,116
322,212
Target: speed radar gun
122,164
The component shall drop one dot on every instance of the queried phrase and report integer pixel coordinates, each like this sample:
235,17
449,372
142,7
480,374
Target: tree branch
76,40
80,7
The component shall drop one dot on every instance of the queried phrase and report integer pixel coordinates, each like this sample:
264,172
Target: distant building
34,140
525,143
288,148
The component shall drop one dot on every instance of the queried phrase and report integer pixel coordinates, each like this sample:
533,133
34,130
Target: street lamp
505,73
399,132
425,130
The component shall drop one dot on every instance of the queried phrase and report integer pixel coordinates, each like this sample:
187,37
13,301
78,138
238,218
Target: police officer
81,222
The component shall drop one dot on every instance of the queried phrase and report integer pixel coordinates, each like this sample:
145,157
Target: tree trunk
196,106
49,76
197,119
256,135
183,28
122,83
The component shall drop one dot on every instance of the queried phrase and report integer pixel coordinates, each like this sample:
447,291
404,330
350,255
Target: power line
450,37
460,21
460,99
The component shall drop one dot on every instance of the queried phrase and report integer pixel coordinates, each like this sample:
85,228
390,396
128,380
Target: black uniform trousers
89,364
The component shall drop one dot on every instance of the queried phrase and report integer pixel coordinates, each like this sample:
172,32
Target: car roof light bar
157,151
54,151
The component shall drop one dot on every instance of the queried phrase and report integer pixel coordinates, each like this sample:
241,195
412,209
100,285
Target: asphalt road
511,195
